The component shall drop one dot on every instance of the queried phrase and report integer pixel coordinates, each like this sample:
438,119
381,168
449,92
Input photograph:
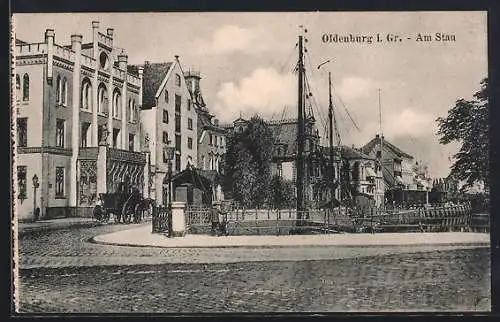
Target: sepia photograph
235,162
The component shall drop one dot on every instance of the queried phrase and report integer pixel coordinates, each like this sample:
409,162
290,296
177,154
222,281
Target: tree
248,163
467,124
282,193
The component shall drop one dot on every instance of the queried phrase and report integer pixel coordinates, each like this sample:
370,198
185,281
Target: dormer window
103,60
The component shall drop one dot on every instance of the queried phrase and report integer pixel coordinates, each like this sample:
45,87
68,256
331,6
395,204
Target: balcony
126,155
91,153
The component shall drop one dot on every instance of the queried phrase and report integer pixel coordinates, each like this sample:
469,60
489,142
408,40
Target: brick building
70,98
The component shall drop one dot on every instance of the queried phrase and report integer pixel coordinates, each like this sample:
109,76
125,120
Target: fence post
326,219
277,215
372,209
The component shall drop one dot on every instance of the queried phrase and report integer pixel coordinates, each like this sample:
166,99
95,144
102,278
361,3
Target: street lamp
169,155
35,186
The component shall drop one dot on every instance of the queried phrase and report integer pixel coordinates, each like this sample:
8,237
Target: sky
246,62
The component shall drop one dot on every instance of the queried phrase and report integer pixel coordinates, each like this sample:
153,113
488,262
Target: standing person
214,217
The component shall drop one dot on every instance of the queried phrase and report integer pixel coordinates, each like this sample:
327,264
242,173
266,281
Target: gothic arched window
116,103
18,87
86,102
131,110
26,87
101,98
58,89
64,97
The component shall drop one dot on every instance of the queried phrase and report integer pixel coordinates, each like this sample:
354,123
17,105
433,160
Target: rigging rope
345,108
282,67
316,105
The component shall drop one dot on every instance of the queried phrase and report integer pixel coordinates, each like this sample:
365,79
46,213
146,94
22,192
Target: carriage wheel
127,213
105,218
147,211
117,217
99,214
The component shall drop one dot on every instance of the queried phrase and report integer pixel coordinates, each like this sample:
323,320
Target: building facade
77,119
169,119
365,175
211,138
284,155
397,165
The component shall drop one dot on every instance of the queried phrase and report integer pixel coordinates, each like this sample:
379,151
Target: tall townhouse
211,137
169,119
397,165
78,128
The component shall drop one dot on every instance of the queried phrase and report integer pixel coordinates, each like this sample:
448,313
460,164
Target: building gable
369,148
155,76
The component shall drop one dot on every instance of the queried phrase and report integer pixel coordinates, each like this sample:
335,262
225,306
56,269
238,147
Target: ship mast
300,132
330,138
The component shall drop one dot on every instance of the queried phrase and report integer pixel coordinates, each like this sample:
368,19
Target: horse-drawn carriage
125,207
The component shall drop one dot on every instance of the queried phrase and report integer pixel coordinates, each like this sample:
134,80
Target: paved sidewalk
142,236
60,223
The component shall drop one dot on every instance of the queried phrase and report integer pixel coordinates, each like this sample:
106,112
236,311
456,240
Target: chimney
76,43
95,38
122,61
110,32
49,35
140,69
377,136
49,40
193,80
176,57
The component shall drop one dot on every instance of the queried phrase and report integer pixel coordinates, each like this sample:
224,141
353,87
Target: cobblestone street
62,272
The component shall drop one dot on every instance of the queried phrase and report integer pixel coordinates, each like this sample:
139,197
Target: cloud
264,91
397,124
409,122
353,87
229,39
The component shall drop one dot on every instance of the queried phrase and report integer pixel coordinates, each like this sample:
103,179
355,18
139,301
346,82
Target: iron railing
160,220
279,222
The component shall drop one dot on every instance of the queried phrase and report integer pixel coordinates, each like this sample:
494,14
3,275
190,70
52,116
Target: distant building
285,151
397,165
78,126
169,119
211,137
365,175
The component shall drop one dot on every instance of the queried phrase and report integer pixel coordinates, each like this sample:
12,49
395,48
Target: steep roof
368,148
351,153
152,77
133,70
